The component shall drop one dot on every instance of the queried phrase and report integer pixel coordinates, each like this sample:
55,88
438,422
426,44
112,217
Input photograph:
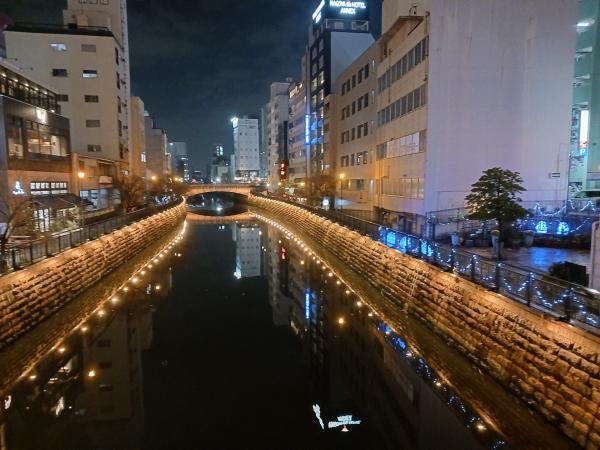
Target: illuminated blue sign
307,305
307,129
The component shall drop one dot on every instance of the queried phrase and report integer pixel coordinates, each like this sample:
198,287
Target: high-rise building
299,133
246,148
584,176
180,160
264,147
220,166
354,132
137,151
446,111
87,60
338,34
158,160
277,115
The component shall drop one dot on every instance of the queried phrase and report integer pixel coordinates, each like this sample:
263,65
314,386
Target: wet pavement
238,337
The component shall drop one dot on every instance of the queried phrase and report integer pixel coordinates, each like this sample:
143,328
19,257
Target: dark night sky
196,63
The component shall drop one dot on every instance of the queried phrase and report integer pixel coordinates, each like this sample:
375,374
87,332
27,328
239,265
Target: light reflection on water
238,337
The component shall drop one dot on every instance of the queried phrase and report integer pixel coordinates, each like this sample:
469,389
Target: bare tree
15,215
131,189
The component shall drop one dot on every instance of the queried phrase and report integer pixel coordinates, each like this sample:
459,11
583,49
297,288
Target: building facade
277,119
337,36
299,134
87,60
355,114
35,154
584,177
158,160
441,123
137,151
180,160
246,149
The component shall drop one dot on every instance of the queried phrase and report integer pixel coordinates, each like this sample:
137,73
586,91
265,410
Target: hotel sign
347,8
340,8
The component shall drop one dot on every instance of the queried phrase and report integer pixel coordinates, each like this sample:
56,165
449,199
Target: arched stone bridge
243,189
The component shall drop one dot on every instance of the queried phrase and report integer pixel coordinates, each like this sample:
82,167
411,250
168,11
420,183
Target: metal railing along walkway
22,255
566,301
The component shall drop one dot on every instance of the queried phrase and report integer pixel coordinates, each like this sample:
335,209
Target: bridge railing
22,255
566,301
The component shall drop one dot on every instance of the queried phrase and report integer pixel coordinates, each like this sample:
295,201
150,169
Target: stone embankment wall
29,296
551,365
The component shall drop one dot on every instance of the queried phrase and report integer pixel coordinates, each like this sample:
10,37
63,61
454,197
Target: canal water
238,338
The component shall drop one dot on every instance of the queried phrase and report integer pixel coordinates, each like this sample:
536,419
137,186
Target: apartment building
355,146
87,60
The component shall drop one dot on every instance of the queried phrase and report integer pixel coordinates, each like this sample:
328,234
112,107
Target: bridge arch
242,189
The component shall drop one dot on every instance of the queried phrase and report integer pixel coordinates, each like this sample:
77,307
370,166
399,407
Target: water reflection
247,340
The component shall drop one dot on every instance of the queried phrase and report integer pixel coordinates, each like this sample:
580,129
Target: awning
57,202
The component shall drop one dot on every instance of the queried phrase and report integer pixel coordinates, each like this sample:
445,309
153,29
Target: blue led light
541,227
563,228
307,129
307,305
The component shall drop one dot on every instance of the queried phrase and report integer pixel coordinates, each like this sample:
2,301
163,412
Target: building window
60,73
14,132
94,148
90,73
62,98
359,132
89,48
48,187
353,80
45,140
91,98
353,134
92,123
58,47
367,70
116,56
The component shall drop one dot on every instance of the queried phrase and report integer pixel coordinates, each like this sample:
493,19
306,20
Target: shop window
14,132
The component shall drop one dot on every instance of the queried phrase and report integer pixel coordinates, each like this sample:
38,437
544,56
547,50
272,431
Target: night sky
196,63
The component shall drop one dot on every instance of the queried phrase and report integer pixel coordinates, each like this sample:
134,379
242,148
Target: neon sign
18,190
307,305
318,12
347,7
307,129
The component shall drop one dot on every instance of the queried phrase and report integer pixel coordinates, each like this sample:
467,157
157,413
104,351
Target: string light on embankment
100,312
476,421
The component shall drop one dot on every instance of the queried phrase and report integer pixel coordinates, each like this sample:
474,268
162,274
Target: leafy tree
16,215
495,196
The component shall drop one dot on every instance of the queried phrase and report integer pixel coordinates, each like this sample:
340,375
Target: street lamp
342,176
81,176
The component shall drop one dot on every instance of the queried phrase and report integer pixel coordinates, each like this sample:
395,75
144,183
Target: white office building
276,129
246,149
446,110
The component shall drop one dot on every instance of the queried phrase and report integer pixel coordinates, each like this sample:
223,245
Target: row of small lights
100,311
479,424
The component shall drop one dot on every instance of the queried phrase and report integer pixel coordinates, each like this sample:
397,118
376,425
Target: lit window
58,47
89,73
